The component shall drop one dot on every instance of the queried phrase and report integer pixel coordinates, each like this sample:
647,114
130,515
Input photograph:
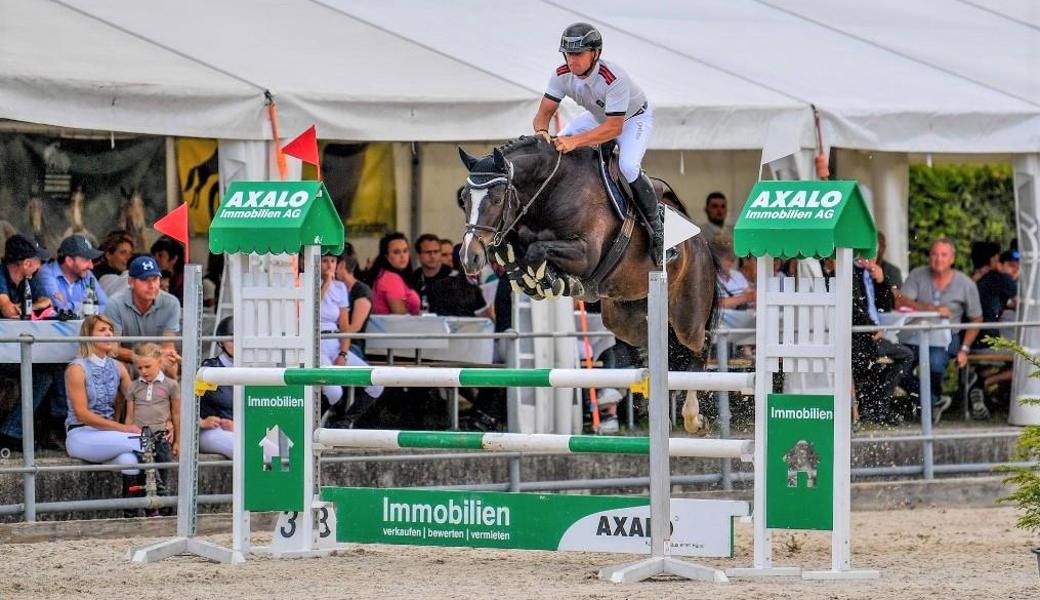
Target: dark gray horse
546,216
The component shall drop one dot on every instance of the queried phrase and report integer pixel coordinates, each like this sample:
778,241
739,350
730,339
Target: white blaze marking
476,198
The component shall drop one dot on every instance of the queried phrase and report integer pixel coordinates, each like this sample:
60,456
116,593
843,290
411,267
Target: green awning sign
804,219
275,217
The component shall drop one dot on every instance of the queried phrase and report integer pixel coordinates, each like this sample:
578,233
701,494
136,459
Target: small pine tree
1026,480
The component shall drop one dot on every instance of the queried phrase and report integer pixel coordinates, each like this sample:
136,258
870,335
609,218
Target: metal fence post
725,417
925,378
28,437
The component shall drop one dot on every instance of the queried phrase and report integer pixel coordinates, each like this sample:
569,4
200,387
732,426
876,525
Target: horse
546,217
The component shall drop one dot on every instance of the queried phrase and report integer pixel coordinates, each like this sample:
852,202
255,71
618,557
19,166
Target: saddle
620,195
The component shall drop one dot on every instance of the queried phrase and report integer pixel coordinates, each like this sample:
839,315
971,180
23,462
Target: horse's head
488,199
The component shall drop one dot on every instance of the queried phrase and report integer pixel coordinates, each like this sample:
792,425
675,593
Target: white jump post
263,227
804,327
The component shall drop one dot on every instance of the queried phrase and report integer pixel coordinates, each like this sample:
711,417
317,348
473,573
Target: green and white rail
477,377
529,442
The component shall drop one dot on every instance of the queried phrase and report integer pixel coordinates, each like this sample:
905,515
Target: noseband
512,200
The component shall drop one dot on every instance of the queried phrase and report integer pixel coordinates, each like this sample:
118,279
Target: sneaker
979,412
609,425
939,407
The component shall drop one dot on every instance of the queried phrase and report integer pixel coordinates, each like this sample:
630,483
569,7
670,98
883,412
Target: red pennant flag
305,148
175,225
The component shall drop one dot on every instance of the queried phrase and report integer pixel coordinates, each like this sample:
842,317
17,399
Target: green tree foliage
965,203
1025,480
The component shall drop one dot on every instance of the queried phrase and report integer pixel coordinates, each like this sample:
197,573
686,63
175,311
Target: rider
615,107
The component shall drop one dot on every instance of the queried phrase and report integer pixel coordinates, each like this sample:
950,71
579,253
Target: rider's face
579,62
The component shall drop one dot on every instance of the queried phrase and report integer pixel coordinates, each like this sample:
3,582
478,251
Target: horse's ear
501,164
467,160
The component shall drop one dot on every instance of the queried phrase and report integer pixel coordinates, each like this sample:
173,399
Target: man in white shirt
615,108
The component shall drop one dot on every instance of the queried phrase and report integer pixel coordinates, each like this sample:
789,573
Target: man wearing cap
144,309
22,259
65,281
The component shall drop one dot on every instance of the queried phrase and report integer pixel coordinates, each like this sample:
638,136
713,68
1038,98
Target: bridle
512,200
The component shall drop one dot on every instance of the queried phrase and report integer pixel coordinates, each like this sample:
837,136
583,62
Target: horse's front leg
569,257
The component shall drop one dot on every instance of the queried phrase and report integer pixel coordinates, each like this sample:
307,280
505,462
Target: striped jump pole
529,442
476,377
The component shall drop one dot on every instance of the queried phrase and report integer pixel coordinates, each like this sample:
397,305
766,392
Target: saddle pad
617,198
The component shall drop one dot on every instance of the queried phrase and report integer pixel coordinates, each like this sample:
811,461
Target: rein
512,199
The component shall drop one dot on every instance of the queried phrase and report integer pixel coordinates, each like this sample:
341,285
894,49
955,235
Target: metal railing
29,470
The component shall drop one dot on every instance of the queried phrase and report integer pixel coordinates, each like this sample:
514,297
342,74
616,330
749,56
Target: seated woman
392,293
334,317
217,407
734,291
95,382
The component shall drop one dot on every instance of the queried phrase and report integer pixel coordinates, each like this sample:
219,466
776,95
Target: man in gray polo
940,288
143,309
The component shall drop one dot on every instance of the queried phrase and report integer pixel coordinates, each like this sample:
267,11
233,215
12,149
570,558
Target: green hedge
965,203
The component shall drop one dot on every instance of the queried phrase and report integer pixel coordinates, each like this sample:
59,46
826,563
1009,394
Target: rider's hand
565,144
544,134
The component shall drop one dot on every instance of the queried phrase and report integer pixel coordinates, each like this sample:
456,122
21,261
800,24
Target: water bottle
26,300
90,301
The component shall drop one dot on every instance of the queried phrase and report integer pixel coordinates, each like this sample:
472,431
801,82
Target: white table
433,348
60,352
936,337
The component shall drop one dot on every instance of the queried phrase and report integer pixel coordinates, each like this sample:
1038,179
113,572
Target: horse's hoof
693,425
540,273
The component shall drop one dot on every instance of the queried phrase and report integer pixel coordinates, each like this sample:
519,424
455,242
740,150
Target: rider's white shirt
607,91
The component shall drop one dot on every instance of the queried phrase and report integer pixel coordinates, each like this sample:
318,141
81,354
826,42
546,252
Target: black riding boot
646,197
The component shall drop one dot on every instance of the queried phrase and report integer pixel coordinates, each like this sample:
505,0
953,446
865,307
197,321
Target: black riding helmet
580,37
225,327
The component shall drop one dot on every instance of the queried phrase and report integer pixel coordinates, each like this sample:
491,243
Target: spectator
96,383
211,281
66,280
360,296
983,258
431,269
217,407
939,287
22,260
116,248
142,309
998,291
153,402
165,278
391,293
334,317
169,255
734,290
455,295
878,364
446,249
892,272
715,210
110,269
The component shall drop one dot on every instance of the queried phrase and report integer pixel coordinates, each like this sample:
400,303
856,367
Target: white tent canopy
930,76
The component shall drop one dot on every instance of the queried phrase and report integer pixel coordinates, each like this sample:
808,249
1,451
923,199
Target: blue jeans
938,358
48,383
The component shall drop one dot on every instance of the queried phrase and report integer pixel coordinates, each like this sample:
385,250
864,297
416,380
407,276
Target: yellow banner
374,210
200,184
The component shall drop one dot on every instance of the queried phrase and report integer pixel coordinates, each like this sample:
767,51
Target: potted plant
1026,480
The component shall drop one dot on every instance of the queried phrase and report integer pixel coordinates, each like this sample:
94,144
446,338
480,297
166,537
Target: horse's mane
520,143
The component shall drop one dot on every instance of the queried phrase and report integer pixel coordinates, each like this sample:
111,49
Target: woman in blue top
95,381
